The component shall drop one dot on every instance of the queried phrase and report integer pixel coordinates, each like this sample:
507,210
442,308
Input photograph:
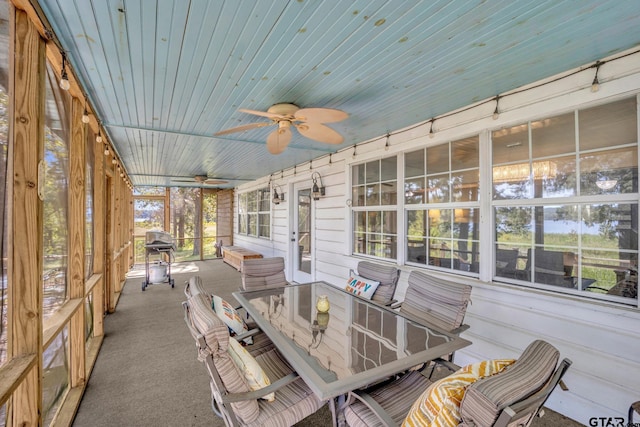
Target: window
565,201
254,213
375,217
441,199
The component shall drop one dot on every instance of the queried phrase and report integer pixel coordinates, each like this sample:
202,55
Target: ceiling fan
308,121
203,180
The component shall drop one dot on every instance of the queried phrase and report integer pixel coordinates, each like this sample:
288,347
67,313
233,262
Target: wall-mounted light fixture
317,190
277,198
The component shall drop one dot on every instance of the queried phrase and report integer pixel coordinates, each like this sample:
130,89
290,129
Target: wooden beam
99,306
77,219
13,372
26,95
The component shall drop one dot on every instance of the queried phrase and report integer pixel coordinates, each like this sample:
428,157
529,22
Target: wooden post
99,207
77,207
25,214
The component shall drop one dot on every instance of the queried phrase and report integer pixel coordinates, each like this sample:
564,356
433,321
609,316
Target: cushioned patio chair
261,342
437,301
232,396
387,275
512,397
262,273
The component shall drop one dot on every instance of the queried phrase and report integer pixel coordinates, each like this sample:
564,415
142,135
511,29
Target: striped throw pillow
439,405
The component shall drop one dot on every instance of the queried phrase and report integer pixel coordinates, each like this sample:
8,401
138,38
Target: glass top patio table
354,344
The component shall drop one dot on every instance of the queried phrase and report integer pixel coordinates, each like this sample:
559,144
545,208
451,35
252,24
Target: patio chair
232,396
511,397
437,301
263,273
387,275
506,262
261,342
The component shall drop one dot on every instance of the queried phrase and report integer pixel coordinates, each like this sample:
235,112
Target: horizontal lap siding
601,343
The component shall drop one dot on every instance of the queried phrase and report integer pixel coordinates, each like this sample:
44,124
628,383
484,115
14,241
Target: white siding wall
602,339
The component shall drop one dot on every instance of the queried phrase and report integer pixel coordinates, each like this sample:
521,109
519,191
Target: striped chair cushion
436,300
293,402
216,335
439,405
395,398
194,286
263,273
387,275
484,400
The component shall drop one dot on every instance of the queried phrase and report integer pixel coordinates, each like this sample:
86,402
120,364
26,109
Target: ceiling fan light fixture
283,126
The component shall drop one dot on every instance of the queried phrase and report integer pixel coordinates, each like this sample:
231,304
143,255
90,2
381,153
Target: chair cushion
253,372
230,317
361,286
216,334
484,400
194,286
439,405
387,275
436,300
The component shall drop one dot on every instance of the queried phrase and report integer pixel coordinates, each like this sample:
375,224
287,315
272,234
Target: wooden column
77,207
99,207
25,214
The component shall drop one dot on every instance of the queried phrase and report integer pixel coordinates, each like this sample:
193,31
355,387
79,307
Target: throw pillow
361,286
439,405
252,371
230,317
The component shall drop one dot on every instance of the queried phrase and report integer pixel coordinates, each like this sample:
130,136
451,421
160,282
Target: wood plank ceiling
165,75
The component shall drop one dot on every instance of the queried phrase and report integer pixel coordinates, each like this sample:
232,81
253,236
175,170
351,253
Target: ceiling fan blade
262,113
278,140
215,182
320,115
243,128
320,132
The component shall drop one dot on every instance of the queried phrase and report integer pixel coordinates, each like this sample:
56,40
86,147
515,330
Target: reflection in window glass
444,236
608,125
577,245
55,203
55,378
4,140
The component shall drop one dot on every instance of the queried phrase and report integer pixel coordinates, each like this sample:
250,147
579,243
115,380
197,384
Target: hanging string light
595,85
431,132
99,136
85,114
386,144
64,78
496,112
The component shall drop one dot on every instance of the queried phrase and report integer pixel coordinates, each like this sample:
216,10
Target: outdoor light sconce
277,198
317,191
